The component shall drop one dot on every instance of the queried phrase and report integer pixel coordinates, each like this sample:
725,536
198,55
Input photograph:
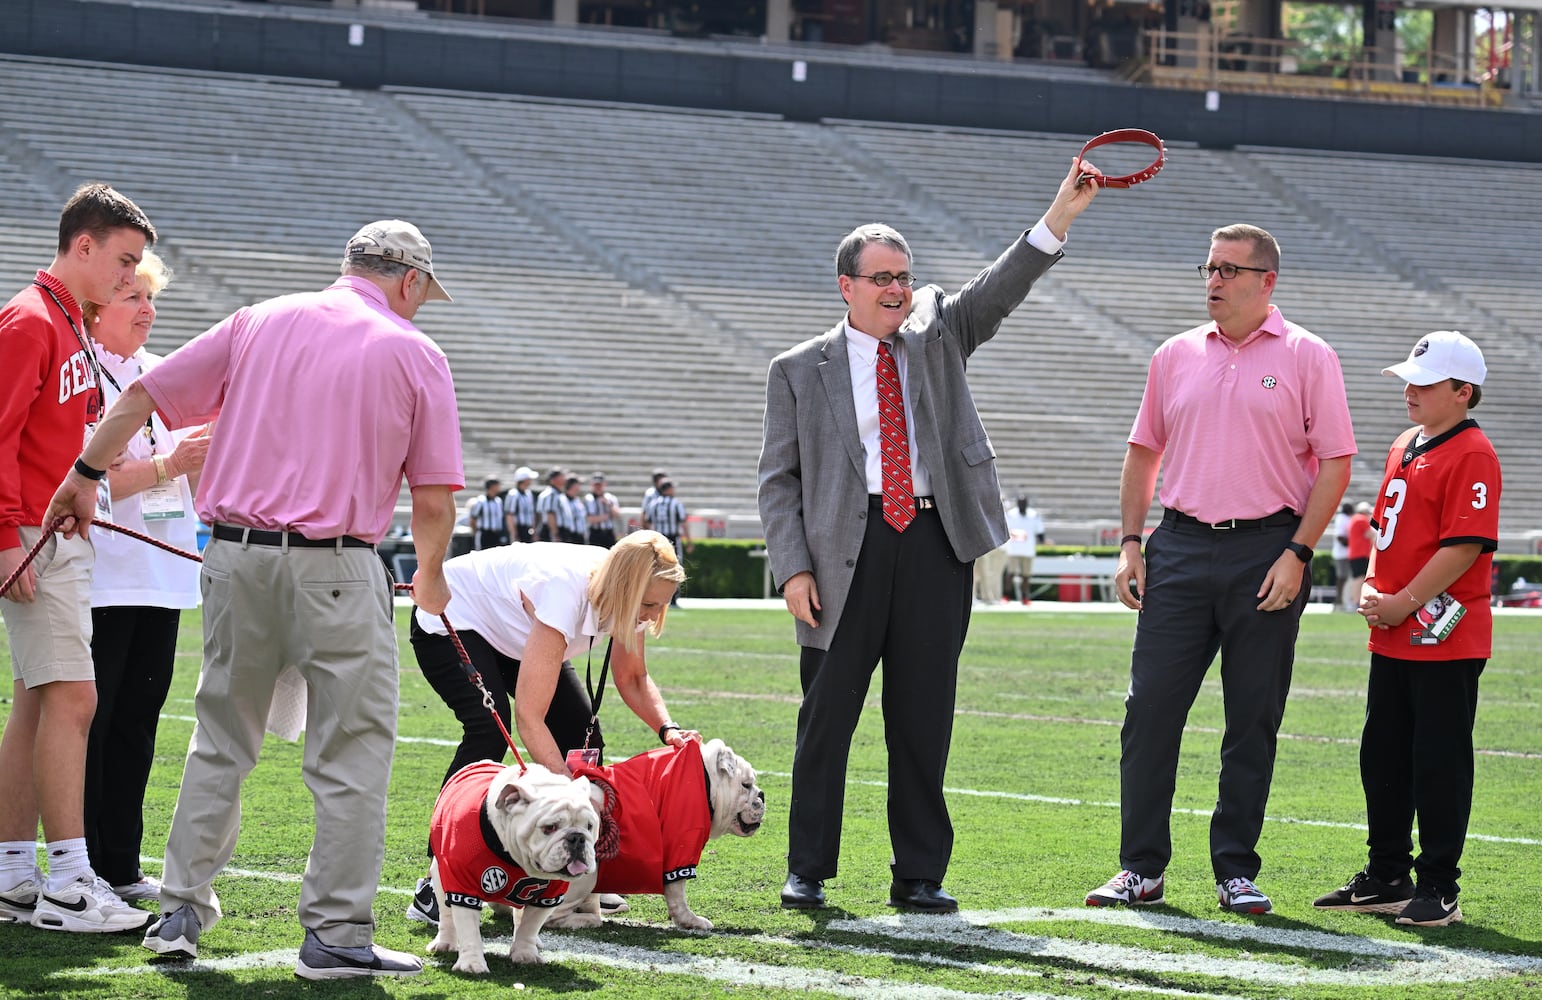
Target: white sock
67,861
18,861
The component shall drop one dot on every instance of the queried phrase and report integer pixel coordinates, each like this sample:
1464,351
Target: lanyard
150,420
595,697
93,406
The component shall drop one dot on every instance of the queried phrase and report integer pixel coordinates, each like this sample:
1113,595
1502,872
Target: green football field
1033,788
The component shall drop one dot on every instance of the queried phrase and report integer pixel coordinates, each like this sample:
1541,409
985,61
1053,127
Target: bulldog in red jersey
521,837
667,804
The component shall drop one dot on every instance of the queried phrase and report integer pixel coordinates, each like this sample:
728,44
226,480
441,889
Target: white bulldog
501,835
665,822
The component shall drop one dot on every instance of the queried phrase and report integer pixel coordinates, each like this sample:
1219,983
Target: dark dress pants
567,718
133,650
909,607
1416,760
1202,597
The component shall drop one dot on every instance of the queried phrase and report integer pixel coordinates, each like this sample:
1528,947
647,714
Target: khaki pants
328,611
987,576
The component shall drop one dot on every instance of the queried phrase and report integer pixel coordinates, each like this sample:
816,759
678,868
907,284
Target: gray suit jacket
813,483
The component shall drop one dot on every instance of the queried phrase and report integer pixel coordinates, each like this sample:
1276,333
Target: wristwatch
1301,549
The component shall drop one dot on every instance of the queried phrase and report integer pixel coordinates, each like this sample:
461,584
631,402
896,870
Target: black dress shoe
922,895
801,893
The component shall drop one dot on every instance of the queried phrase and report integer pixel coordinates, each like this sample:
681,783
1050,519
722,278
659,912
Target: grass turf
1033,789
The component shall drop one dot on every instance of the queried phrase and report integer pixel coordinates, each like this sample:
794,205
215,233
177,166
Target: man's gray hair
848,257
373,266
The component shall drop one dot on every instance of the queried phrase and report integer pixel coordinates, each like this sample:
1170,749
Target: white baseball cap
1441,355
523,473
399,241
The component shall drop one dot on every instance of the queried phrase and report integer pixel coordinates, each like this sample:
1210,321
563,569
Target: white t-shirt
129,572
1023,531
1340,529
485,589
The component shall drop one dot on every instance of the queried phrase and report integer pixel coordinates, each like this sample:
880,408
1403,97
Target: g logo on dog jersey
493,880
1269,382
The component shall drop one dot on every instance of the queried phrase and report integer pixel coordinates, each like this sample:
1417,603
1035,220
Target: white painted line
1365,961
1054,800
1393,964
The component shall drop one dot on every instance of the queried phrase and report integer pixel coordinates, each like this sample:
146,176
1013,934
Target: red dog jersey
664,815
473,866
1443,492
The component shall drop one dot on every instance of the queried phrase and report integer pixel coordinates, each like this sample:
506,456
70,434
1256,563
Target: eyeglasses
883,278
1227,271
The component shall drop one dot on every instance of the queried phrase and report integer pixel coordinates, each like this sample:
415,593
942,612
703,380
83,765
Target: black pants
491,539
526,532
909,607
603,537
133,650
567,718
1202,597
1416,761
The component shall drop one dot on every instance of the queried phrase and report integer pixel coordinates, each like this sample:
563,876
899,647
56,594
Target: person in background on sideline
488,523
1361,538
1344,600
1025,530
1437,519
519,507
602,511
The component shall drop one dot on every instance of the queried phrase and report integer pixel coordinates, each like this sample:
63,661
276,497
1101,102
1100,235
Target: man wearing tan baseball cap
401,242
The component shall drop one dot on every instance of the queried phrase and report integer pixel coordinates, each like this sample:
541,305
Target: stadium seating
623,275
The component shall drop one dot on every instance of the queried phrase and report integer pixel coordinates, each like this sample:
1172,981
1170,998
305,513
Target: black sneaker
424,908
1431,907
1367,894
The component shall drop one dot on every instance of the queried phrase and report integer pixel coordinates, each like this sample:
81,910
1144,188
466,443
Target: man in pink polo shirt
1250,412
324,401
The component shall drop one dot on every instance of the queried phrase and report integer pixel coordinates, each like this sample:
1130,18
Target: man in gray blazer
878,490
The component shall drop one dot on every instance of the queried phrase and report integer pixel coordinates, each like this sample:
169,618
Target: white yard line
1366,961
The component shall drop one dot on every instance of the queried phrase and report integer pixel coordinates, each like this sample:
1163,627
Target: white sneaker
1240,895
147,887
87,906
19,901
1127,889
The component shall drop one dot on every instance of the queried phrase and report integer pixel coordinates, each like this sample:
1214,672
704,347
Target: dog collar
490,838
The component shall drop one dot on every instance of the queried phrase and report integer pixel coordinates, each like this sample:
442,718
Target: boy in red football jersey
1426,601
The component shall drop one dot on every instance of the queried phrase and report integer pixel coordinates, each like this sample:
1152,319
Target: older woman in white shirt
138,591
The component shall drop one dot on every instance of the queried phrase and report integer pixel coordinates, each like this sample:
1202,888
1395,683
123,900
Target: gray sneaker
20,901
323,961
175,934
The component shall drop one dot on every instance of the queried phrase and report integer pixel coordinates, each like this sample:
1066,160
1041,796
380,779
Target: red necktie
899,501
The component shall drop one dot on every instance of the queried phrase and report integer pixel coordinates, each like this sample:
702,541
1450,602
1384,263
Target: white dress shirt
862,356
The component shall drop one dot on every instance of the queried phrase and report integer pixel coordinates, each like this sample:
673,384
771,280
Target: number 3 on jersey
1397,492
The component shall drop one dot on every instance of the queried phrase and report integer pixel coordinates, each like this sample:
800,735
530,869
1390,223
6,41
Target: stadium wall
476,56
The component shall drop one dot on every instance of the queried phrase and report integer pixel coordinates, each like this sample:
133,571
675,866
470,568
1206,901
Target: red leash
465,658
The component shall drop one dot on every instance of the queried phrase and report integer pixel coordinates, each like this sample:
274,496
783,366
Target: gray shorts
51,637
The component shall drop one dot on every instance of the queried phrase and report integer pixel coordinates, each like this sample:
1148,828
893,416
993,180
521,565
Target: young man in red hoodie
49,401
